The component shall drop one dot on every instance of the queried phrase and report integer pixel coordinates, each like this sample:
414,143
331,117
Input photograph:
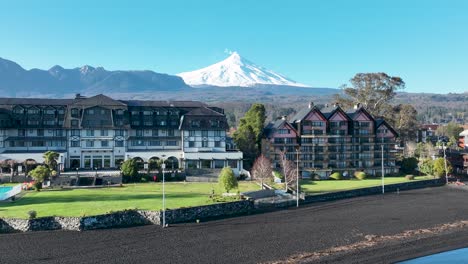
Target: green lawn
315,187
148,196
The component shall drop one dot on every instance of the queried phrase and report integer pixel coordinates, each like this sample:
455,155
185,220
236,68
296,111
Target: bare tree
289,170
262,170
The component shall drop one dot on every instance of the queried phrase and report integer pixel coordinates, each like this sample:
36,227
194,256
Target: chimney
336,104
311,104
357,105
284,117
77,96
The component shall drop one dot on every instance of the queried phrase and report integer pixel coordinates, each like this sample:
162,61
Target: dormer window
18,110
214,123
50,112
284,131
90,111
75,112
33,111
120,112
195,123
147,113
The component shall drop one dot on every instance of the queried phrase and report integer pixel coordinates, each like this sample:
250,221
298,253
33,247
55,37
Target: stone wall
138,217
373,190
208,211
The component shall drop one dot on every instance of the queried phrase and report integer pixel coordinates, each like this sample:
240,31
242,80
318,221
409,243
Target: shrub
439,167
32,214
278,175
408,165
336,176
37,186
409,177
360,175
227,180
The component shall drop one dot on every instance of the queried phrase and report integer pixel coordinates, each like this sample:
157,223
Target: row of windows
155,132
203,144
212,123
36,111
40,132
137,143
157,112
154,123
38,143
205,133
44,122
95,143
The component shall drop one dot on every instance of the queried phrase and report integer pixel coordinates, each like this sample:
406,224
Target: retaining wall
373,190
139,217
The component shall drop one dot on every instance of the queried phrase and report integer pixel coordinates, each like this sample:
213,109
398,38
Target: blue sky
320,43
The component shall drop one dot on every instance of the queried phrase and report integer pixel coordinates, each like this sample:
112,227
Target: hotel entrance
97,161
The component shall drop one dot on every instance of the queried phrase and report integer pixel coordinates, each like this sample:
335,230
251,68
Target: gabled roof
98,100
330,111
301,115
273,126
379,122
353,111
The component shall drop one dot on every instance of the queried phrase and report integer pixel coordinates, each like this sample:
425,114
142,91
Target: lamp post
383,170
163,166
297,177
445,163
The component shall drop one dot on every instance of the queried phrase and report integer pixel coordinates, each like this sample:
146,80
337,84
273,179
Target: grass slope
148,196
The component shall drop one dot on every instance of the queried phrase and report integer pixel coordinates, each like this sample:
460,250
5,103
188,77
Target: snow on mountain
236,71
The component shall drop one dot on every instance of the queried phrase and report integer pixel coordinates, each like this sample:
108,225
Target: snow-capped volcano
236,71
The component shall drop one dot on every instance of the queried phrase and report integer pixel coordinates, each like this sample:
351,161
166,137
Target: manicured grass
315,187
146,196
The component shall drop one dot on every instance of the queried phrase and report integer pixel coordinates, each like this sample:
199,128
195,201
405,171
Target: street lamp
297,176
445,163
163,166
383,170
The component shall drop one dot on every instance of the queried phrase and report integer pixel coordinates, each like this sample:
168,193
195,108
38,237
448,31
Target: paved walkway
255,238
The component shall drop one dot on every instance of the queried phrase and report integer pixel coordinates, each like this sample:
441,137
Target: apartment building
99,132
332,140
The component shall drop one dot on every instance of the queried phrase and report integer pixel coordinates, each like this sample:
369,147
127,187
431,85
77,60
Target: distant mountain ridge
236,71
16,81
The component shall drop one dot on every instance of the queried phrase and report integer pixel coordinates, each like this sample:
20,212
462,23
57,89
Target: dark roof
328,111
34,101
271,127
203,111
379,122
99,99
163,103
301,114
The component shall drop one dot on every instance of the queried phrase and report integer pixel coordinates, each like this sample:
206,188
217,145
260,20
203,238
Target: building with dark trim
332,140
100,132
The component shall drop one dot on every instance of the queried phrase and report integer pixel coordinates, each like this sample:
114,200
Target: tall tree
289,170
249,133
373,90
50,159
404,120
262,170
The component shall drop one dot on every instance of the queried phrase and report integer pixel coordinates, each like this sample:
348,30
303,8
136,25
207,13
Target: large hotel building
99,132
333,140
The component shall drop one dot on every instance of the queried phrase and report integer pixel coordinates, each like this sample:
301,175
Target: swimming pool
4,189
9,191
453,256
